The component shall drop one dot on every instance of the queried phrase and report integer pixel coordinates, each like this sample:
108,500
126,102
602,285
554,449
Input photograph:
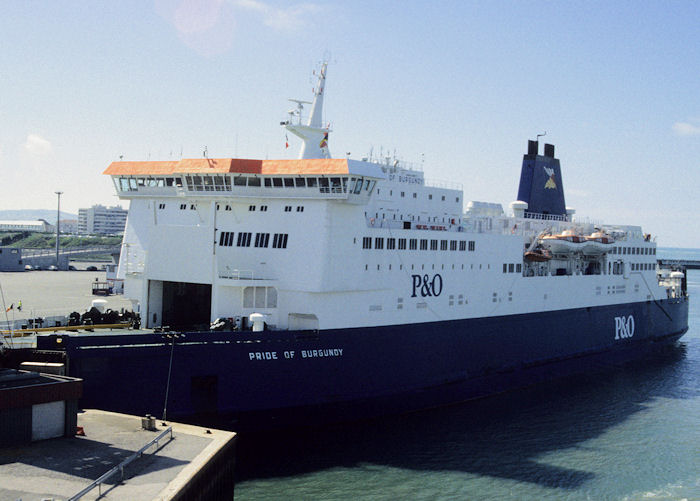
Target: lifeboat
563,243
597,243
538,255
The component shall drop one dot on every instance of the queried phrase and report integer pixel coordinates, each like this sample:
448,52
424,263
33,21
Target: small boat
538,255
597,243
564,242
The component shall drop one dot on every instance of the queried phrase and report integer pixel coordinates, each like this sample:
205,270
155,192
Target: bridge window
252,181
289,182
239,181
300,182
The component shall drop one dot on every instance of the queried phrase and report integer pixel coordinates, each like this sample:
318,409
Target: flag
19,305
10,308
286,141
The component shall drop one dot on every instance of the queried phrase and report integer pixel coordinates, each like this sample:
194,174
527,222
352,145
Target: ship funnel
541,184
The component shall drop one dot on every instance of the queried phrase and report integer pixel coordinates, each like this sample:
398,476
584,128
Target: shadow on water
501,436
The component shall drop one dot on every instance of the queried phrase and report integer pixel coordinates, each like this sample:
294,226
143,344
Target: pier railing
120,467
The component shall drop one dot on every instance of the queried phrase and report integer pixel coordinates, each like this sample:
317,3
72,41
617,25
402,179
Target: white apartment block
101,220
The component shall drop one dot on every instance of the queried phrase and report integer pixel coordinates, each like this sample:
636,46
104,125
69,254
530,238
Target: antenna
204,153
540,135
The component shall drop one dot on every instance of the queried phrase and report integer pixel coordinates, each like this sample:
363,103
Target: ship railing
120,467
439,183
544,217
237,274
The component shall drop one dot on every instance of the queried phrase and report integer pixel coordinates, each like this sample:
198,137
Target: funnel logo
550,184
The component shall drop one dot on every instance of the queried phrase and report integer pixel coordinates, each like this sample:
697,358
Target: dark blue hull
280,378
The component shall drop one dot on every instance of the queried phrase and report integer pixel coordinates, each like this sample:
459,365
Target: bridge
688,264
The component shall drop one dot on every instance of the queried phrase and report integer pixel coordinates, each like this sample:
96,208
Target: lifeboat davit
597,243
563,243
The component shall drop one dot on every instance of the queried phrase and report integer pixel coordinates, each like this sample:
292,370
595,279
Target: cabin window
287,208
433,245
453,245
300,208
462,245
244,239
443,244
279,241
402,244
519,268
251,208
366,242
379,243
511,268
262,239
430,197
263,208
423,244
390,243
472,245
413,244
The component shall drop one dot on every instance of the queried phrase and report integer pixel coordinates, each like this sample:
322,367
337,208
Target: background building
69,226
101,220
38,225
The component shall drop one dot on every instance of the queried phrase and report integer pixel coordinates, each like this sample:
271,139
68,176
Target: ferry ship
307,290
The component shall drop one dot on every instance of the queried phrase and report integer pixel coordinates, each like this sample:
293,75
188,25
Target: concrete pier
197,463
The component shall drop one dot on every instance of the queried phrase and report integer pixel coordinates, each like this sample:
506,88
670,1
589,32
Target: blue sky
464,84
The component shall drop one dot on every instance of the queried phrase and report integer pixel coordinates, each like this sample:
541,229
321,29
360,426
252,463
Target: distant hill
34,214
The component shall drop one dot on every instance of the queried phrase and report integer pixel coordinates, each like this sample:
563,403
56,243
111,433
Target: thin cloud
686,129
37,146
291,18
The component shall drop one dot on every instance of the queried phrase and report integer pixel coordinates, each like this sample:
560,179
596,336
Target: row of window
634,250
415,195
219,182
413,244
643,266
279,240
512,267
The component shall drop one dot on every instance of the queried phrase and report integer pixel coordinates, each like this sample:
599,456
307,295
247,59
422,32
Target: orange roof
229,165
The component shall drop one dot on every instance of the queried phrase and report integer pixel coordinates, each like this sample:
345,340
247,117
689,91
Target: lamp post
58,224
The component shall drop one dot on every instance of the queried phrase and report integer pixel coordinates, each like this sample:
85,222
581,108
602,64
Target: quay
187,462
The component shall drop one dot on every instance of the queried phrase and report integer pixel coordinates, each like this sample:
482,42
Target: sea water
621,433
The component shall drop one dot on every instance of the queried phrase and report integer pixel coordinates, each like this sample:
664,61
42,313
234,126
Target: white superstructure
321,243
